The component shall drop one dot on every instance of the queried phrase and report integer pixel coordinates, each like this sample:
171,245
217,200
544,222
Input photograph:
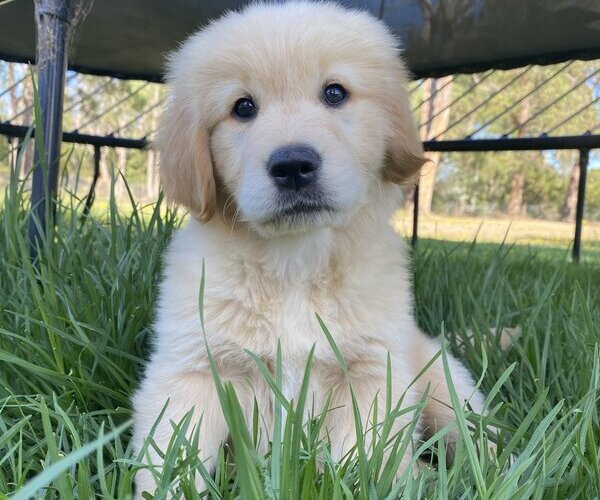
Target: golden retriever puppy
287,135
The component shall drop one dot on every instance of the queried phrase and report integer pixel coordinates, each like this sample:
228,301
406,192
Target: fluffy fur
266,274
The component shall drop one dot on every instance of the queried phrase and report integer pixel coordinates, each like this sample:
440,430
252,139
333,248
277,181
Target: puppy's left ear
405,150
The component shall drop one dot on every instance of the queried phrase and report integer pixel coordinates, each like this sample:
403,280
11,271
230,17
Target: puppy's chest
259,314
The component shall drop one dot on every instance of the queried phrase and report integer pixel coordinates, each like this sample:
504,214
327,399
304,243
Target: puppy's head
290,113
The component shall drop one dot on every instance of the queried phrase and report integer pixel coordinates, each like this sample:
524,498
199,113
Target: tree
118,109
20,109
570,203
516,203
152,179
525,103
435,113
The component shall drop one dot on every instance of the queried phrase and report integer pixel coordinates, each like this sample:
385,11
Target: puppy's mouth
305,214
300,212
301,209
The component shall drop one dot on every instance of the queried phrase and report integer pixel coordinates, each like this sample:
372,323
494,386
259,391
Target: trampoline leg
89,199
584,157
53,22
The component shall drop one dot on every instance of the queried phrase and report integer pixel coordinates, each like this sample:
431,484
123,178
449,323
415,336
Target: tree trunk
121,174
27,158
152,182
151,175
516,202
570,205
17,105
14,99
435,114
13,152
103,185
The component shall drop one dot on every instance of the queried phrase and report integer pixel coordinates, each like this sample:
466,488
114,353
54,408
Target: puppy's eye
334,94
244,108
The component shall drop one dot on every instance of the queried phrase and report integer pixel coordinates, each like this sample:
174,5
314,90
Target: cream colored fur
266,281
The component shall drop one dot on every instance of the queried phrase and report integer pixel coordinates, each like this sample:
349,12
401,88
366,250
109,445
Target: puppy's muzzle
294,167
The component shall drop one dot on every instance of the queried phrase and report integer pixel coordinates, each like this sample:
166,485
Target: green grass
75,332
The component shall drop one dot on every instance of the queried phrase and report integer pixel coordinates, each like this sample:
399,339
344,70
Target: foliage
593,194
96,106
480,183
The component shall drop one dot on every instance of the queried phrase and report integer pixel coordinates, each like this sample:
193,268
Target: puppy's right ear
185,160
405,151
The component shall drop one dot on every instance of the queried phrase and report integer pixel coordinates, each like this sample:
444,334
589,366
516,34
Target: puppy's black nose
295,166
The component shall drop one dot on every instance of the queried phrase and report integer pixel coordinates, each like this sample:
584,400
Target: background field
539,234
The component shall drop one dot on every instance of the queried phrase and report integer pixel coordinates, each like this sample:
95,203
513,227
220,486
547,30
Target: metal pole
415,228
89,200
584,157
53,22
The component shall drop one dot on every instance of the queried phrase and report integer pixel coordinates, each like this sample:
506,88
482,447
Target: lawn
539,233
74,334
